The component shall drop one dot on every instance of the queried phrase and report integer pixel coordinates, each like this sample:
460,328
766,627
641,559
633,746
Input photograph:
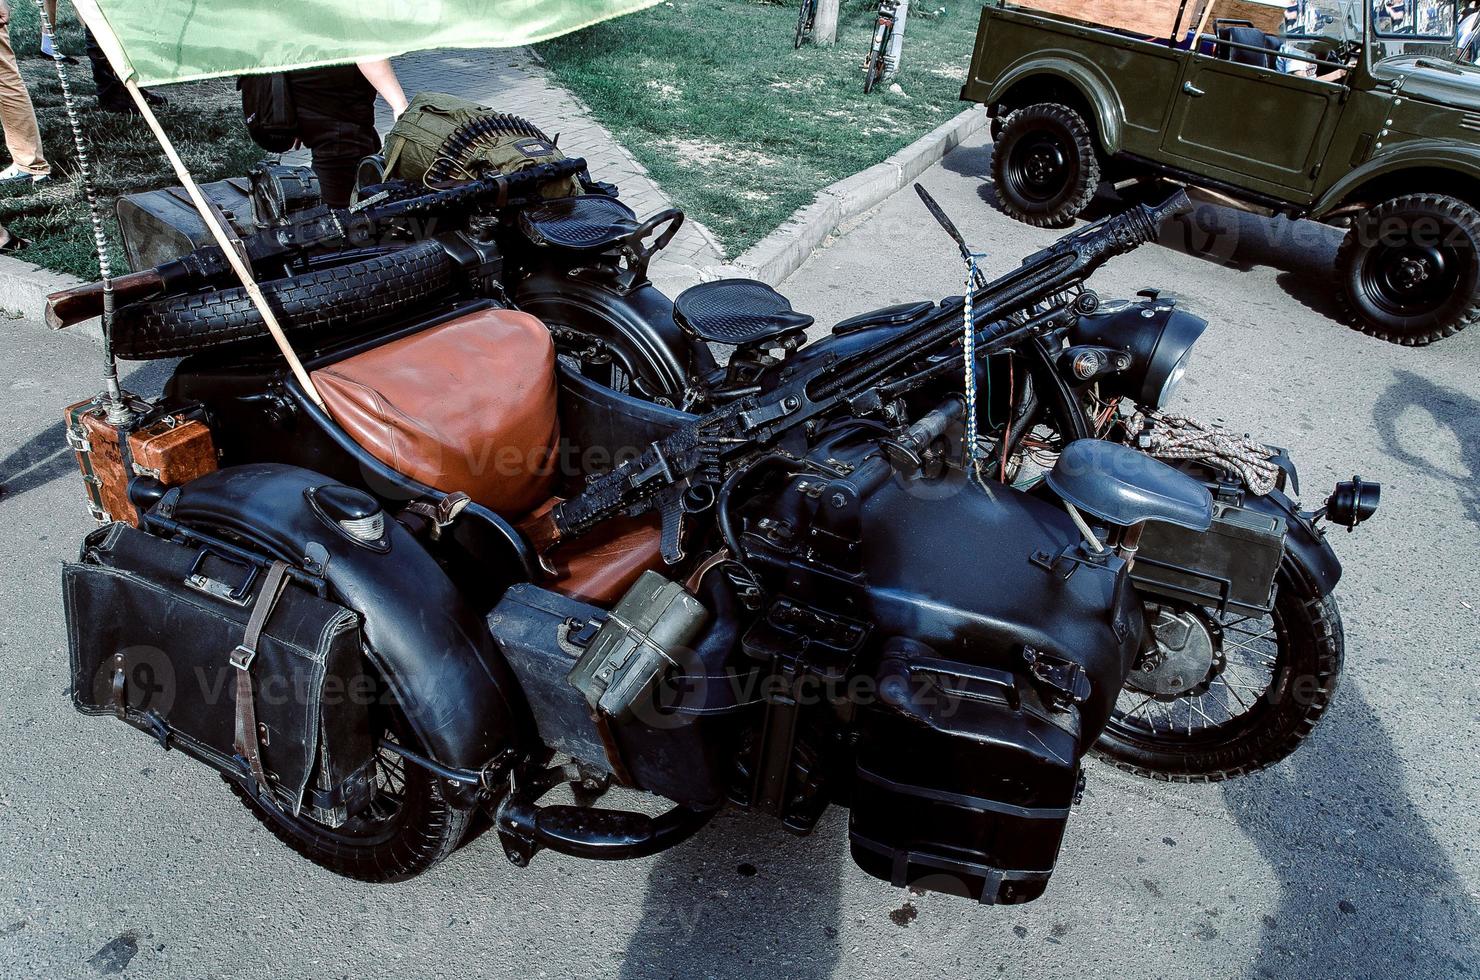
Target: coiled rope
1168,436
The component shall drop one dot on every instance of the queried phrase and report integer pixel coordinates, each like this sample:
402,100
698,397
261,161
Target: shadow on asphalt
1343,795
796,891
1451,410
45,456
39,460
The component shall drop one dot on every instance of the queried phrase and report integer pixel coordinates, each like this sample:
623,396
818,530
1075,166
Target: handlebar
1067,262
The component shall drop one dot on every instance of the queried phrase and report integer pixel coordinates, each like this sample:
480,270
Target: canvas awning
161,41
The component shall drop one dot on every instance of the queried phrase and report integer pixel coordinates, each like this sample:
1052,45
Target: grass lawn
205,117
739,128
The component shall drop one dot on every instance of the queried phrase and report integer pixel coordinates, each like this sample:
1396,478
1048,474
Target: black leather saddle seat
737,312
589,223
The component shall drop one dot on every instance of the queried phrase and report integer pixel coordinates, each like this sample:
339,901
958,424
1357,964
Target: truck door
1254,127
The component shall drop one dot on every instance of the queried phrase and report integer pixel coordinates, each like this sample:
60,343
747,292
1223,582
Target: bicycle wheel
873,68
804,21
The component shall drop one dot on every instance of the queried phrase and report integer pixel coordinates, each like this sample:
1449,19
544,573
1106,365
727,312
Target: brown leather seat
466,405
601,566
470,405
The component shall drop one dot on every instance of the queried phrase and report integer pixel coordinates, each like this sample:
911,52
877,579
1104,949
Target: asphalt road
1356,857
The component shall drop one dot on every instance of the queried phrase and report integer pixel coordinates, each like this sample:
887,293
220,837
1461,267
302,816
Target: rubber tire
873,74
430,831
316,302
1317,645
803,17
1082,159
1463,307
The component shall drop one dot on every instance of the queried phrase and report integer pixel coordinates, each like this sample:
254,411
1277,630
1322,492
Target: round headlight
1174,380
1157,339
1167,364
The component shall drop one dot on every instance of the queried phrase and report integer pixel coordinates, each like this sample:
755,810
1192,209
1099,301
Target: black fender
1306,544
432,649
639,320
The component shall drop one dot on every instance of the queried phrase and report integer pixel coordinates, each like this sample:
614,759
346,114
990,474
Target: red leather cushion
466,405
601,565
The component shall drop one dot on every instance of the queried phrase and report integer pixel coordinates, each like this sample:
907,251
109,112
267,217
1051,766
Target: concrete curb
24,288
781,252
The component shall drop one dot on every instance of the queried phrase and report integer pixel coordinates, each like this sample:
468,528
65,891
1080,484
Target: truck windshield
1331,20
1332,29
1429,19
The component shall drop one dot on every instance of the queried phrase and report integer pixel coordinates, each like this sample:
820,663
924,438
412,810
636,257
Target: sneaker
12,176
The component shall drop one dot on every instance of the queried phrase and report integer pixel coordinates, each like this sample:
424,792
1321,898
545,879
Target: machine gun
316,230
1026,302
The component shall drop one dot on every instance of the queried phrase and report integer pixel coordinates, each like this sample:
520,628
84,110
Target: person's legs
111,94
338,147
17,115
336,120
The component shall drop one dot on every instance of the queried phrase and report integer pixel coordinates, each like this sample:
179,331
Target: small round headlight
1174,380
1155,337
1167,364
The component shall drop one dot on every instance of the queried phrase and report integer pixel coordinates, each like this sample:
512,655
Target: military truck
1361,116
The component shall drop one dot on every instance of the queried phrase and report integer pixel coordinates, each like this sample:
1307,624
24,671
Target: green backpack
441,139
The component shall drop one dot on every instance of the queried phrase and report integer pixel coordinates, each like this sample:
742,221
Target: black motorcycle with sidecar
522,535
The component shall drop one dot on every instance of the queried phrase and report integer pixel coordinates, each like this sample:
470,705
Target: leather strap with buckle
248,738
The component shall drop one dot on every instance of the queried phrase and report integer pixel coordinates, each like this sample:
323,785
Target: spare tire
325,299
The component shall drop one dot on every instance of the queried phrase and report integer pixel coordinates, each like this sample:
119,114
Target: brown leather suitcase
174,448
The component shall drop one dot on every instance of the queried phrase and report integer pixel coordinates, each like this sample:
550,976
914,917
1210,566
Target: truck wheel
1409,271
1045,165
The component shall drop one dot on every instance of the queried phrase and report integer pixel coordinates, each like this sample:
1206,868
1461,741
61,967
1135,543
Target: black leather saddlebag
156,631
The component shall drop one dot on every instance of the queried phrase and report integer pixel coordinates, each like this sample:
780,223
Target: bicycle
878,64
806,18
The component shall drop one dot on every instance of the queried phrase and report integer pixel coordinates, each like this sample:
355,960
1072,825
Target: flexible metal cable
100,237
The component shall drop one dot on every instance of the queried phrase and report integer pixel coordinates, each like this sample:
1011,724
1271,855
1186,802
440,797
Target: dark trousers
111,93
336,121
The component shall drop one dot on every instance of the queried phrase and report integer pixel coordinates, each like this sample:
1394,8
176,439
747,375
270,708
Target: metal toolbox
161,225
1232,565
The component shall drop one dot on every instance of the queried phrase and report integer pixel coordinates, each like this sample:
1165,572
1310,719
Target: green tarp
161,41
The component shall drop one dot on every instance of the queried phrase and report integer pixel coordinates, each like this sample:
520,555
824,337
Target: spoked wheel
873,68
1045,165
1221,695
613,365
804,22
1410,269
407,828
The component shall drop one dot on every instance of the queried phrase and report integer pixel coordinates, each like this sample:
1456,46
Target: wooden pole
825,24
229,245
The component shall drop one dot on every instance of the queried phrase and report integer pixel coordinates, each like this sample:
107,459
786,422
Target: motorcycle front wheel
408,827
1264,683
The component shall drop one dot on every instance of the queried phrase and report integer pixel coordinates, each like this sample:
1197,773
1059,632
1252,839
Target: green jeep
1358,116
